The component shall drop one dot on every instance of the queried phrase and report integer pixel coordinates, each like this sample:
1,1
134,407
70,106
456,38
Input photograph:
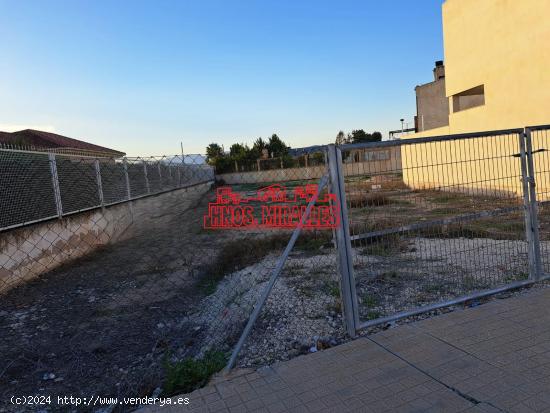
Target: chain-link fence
115,273
39,186
113,276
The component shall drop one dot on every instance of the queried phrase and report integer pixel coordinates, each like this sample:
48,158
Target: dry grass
374,199
238,254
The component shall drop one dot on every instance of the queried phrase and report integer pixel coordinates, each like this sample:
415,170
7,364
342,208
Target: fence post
160,175
343,242
128,192
146,177
526,204
55,183
533,206
99,183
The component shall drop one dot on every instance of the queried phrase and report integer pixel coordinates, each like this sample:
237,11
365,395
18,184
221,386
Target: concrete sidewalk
491,358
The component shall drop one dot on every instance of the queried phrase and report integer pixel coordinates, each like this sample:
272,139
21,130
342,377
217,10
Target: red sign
272,207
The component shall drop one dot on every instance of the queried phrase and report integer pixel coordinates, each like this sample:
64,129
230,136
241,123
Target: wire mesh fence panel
137,177
78,184
26,191
434,221
113,181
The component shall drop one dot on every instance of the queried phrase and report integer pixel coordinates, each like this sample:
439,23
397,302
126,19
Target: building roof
47,140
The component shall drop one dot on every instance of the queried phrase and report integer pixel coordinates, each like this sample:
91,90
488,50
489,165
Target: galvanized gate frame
530,204
343,243
345,252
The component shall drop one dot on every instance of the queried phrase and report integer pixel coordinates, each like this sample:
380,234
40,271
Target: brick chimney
439,70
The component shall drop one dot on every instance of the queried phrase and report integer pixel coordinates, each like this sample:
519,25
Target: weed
442,211
448,197
238,254
385,246
189,374
208,286
434,288
517,277
370,301
331,288
294,270
335,307
453,231
391,274
373,315
312,242
360,200
469,283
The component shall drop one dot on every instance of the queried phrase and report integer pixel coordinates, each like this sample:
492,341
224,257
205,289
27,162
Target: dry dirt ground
102,324
106,324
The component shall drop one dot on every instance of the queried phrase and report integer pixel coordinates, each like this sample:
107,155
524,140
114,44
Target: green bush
187,375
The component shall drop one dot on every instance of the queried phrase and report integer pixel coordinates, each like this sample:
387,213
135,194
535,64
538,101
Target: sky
143,76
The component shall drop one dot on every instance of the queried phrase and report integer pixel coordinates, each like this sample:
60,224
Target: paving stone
495,357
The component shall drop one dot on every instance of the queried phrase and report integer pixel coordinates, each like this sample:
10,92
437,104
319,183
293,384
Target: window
469,98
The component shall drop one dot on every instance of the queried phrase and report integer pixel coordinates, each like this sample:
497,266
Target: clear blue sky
141,76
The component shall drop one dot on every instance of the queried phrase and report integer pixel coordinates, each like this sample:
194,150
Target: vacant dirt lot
108,323
102,324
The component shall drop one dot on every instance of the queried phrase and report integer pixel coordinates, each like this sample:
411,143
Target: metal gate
431,222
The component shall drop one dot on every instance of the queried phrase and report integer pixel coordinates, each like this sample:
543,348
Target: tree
276,146
218,159
340,138
318,158
257,148
238,151
376,136
243,157
213,151
359,135
259,144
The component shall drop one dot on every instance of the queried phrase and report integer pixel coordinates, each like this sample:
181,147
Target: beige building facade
497,65
497,76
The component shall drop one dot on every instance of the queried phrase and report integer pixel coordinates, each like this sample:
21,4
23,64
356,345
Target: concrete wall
27,252
273,175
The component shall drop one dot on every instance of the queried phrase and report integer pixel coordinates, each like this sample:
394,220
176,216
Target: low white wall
273,175
27,252
314,172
